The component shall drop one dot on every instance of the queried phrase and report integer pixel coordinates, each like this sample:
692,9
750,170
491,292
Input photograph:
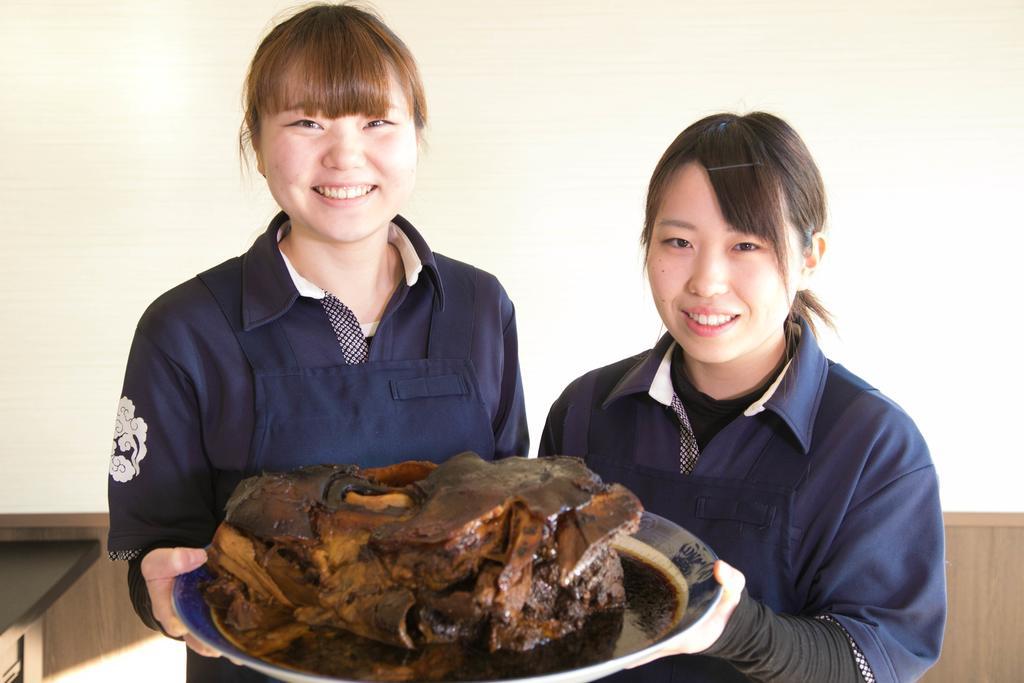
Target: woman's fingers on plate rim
200,647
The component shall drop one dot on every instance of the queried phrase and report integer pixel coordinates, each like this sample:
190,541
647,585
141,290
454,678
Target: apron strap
788,463
782,462
266,346
451,327
576,434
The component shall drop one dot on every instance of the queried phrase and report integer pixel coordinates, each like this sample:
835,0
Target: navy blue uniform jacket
827,499
185,423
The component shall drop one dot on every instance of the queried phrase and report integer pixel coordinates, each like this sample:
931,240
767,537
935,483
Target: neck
362,274
740,376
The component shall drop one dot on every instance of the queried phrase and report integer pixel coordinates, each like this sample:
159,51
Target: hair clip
722,168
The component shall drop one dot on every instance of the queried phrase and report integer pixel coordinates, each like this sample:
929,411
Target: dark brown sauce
653,606
654,603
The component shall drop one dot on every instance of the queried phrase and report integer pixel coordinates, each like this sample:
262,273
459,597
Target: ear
812,257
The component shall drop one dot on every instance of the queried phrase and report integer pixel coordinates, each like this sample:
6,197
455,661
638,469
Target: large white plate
680,555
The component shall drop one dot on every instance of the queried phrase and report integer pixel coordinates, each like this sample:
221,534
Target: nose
344,149
710,275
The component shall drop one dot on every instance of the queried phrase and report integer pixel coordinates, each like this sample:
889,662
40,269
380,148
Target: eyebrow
675,223
300,109
686,225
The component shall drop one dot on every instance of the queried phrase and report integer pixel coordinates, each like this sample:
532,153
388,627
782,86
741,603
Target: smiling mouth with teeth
350,192
711,320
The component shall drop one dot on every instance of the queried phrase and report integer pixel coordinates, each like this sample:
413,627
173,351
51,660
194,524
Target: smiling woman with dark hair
339,337
816,491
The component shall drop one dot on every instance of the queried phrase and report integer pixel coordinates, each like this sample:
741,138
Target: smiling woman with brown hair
816,491
339,337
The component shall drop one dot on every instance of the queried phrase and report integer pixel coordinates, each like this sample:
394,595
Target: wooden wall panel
984,640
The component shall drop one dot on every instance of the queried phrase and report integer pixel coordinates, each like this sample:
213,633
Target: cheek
764,286
402,154
278,161
664,281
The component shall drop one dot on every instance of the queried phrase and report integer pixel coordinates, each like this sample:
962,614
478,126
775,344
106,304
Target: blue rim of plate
692,557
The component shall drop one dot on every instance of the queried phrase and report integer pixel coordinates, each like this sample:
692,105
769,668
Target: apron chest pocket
755,514
428,387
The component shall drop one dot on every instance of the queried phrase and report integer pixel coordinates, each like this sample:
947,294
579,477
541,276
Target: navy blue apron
748,522
374,414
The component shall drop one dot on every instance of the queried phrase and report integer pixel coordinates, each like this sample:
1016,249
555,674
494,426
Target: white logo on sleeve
129,442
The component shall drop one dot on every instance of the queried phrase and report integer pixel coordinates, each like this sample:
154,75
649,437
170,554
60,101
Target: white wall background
119,178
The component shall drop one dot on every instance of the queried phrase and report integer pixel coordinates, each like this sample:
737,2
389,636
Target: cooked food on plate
507,555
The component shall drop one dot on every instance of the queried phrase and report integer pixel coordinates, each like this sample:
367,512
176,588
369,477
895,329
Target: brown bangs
746,184
761,173
333,60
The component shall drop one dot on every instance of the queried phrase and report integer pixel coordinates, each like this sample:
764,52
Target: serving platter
670,587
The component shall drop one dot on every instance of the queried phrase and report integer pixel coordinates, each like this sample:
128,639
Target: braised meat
508,554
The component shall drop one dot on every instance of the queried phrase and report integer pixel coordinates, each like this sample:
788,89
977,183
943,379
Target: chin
705,350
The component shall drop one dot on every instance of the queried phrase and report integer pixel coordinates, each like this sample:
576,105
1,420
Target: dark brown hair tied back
764,179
